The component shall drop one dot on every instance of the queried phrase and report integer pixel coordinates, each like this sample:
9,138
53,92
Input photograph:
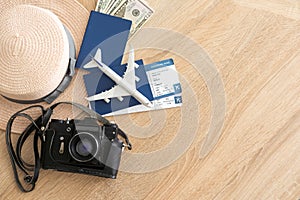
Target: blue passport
108,33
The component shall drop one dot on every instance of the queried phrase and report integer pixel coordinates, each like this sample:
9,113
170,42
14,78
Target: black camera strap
38,127
15,156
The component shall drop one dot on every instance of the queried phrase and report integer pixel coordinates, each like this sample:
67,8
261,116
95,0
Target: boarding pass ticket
165,87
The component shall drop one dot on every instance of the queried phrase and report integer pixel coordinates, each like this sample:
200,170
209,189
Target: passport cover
107,32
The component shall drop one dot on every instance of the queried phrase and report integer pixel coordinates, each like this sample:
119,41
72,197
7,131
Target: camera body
82,146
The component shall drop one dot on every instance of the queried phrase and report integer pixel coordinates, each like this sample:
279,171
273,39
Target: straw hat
35,48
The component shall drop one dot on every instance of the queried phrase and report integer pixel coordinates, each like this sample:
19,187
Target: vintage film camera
82,146
79,146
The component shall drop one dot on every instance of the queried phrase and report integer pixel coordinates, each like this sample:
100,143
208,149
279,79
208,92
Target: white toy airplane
125,86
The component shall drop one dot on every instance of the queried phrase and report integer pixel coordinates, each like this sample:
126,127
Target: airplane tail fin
93,64
98,55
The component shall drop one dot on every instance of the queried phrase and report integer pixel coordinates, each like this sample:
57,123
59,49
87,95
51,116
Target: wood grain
256,48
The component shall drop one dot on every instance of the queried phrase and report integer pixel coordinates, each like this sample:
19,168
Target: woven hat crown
34,52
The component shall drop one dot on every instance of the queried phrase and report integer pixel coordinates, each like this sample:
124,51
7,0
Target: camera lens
83,147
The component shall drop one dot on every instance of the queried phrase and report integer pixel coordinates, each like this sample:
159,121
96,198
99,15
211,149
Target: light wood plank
256,49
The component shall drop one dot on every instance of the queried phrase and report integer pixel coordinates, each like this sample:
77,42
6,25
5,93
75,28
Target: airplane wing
115,92
91,64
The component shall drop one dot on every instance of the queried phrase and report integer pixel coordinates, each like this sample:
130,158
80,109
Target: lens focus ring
83,147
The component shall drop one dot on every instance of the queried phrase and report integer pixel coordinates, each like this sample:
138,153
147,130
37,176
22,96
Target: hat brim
73,16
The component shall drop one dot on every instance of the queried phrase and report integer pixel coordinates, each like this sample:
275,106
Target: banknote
98,6
102,5
136,11
120,10
109,5
115,6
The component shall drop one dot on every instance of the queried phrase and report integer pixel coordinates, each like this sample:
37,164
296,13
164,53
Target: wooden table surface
237,135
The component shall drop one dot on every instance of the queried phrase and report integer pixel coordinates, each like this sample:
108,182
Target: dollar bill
102,5
136,11
98,6
110,4
115,6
